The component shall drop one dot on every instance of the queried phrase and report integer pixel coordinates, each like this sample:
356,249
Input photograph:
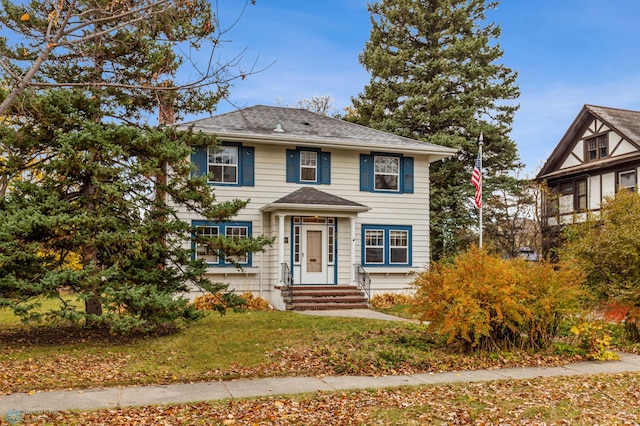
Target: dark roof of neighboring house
625,122
308,196
294,125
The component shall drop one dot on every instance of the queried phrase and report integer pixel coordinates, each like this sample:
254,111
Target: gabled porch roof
309,198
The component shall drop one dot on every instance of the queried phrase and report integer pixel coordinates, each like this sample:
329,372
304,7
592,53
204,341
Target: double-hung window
208,252
386,245
581,195
383,172
627,180
223,164
597,147
309,166
226,164
386,170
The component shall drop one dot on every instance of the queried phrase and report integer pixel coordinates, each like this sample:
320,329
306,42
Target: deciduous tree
608,249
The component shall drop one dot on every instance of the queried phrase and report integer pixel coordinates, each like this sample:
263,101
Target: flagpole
480,143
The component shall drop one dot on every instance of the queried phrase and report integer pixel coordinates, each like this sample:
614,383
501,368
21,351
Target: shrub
222,301
387,300
608,249
594,337
485,302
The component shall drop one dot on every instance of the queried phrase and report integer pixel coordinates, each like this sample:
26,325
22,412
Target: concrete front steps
324,297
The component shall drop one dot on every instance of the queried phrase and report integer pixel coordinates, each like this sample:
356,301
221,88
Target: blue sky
567,53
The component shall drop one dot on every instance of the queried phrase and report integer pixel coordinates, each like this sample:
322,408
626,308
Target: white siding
608,184
594,192
619,146
386,209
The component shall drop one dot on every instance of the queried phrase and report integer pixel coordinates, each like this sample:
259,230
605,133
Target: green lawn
236,345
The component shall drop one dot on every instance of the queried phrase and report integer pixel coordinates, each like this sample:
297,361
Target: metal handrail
287,276
363,279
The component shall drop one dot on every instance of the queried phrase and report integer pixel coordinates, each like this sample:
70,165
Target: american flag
476,180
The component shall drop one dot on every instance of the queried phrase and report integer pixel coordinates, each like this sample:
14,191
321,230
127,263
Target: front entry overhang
309,201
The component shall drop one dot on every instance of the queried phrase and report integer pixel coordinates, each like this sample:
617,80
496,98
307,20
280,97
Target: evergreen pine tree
435,77
91,190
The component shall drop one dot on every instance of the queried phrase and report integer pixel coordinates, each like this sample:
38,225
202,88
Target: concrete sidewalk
92,399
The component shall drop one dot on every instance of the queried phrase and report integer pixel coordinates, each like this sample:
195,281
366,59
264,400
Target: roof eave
435,153
315,207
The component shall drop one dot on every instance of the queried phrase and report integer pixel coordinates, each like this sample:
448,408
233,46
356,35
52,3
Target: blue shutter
199,159
248,163
366,172
408,175
293,161
325,170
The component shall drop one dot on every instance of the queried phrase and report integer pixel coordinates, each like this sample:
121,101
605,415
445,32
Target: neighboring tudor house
598,155
342,201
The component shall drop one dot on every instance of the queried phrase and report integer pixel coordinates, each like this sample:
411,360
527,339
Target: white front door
314,254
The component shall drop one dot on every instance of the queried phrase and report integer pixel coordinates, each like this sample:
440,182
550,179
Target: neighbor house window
386,245
597,147
386,173
235,230
309,166
627,180
581,195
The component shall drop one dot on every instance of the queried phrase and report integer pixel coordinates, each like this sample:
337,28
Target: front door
314,254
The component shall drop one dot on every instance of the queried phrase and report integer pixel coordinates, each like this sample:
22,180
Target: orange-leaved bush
483,301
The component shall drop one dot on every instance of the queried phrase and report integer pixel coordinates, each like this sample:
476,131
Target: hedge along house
348,206
598,156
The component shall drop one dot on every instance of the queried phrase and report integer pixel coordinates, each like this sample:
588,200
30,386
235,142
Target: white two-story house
344,202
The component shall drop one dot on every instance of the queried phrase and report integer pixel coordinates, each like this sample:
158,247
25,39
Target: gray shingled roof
300,125
309,196
625,122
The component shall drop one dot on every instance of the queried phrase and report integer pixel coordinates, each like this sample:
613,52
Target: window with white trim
308,166
374,246
203,251
212,256
237,232
386,171
223,164
398,246
386,245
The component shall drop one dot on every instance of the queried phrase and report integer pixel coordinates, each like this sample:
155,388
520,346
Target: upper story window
309,166
223,164
597,147
226,164
387,173
627,180
381,172
208,252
